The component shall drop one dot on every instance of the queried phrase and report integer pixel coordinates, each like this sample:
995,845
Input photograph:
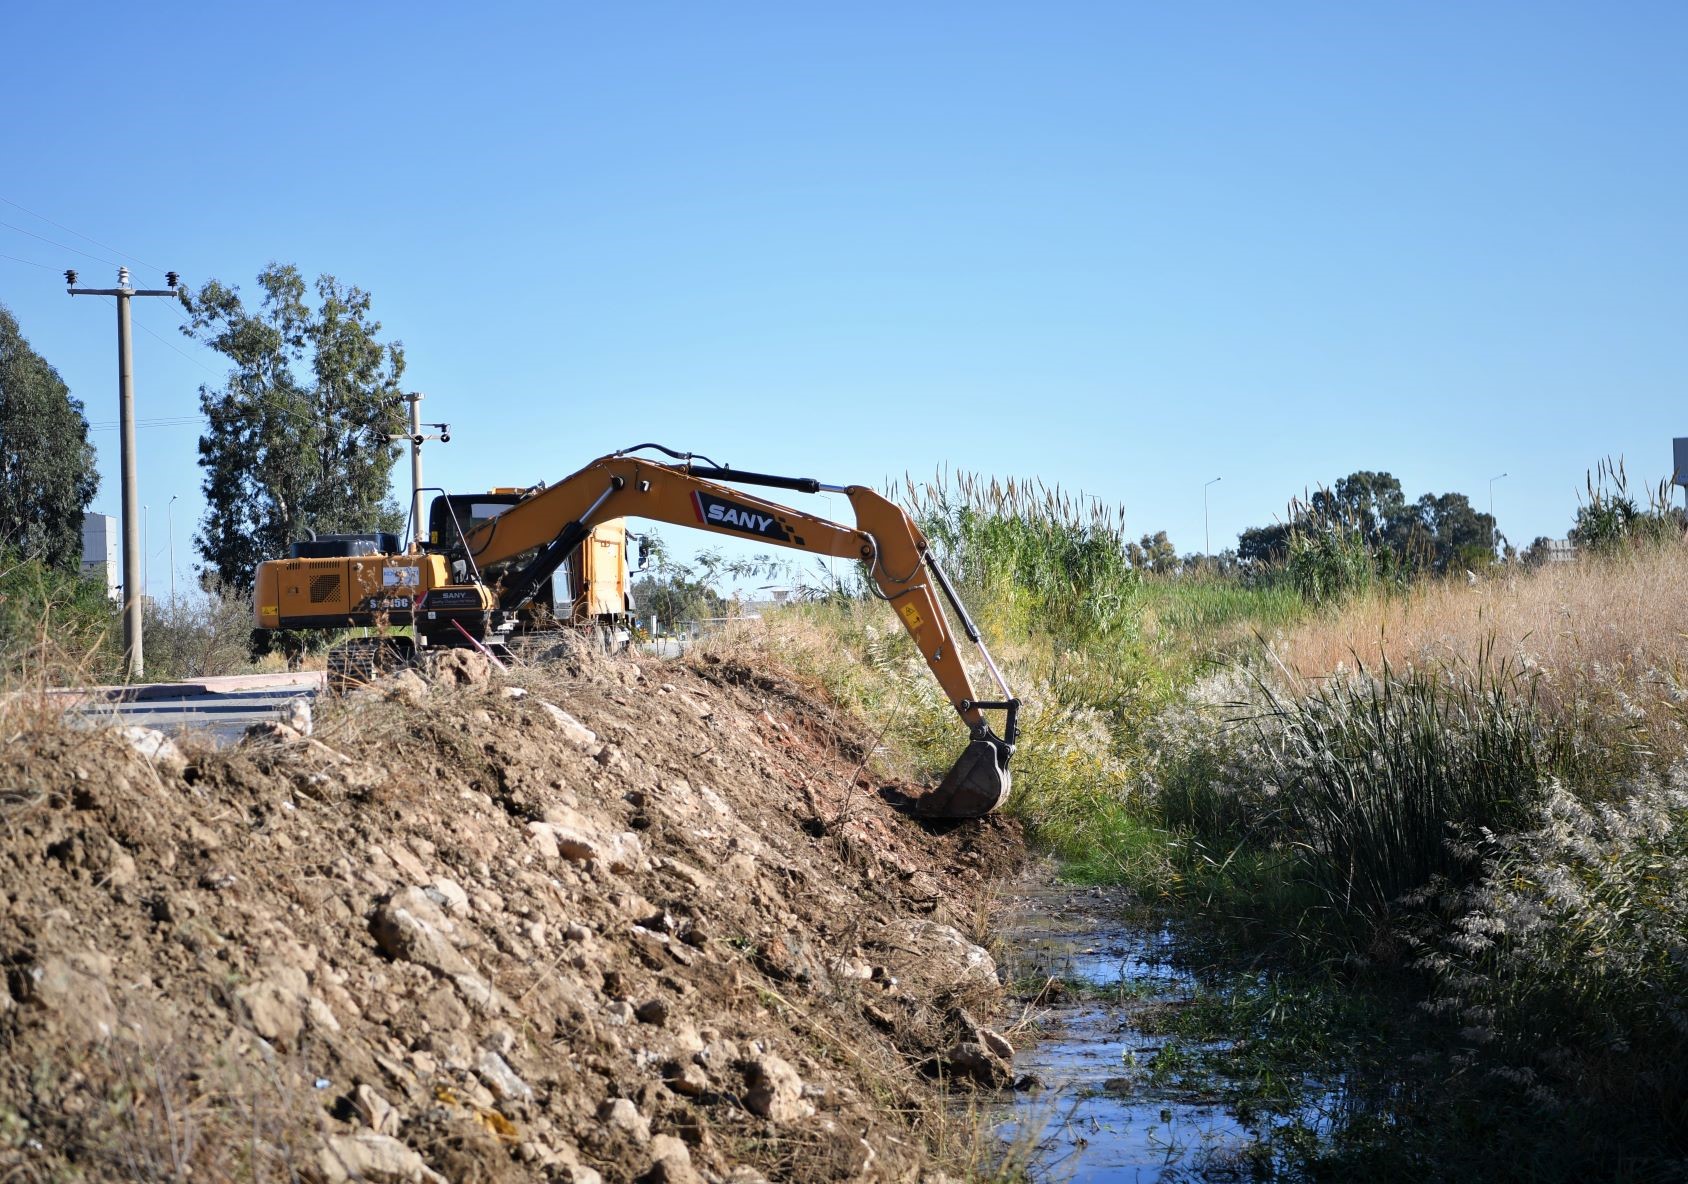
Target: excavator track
359,661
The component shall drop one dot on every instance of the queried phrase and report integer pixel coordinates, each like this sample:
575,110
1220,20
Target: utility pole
134,664
417,438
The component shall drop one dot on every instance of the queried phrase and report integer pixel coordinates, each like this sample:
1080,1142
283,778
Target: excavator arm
542,530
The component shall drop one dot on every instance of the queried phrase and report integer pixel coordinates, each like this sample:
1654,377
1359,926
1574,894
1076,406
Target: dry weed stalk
1602,636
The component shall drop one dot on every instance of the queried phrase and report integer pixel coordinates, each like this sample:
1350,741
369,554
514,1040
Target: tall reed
1319,807
1059,559
1392,779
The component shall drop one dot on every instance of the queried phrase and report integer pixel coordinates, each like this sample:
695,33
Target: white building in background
99,549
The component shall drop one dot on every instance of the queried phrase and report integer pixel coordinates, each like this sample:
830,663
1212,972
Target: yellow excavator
483,579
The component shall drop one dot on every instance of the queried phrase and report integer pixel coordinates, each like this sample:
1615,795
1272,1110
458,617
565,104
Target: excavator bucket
975,785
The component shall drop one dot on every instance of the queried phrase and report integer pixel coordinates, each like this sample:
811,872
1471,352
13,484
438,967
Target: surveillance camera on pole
417,437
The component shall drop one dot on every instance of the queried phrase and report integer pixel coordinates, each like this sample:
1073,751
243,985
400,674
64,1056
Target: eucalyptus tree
297,435
47,475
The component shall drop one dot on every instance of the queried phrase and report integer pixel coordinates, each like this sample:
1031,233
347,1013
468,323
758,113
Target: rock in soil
776,1092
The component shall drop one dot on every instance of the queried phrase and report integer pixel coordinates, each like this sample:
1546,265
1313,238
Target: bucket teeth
976,784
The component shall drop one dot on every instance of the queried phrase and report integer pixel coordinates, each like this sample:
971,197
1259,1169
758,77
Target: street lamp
1492,480
170,519
1207,539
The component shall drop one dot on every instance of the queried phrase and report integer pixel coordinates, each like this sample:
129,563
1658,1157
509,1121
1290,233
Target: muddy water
1097,1116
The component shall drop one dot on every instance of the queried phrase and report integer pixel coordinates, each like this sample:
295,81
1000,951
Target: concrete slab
303,681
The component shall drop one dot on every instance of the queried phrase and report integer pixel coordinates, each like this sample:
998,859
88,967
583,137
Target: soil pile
585,921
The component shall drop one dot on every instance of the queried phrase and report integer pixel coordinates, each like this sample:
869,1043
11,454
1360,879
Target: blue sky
1122,247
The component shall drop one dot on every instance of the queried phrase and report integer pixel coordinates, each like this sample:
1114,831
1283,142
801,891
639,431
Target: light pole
1492,480
170,519
1207,539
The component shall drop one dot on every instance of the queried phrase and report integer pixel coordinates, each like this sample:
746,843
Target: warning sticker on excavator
911,614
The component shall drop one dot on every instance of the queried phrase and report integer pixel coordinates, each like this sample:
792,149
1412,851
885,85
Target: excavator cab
588,588
452,517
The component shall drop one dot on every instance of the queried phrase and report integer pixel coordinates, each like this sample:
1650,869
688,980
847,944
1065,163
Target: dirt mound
608,923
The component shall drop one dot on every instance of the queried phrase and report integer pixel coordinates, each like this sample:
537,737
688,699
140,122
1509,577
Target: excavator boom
491,580
885,539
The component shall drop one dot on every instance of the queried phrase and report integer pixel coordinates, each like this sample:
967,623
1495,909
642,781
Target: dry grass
1604,638
157,1105
858,652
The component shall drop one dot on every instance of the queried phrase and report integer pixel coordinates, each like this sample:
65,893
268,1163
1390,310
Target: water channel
1099,1113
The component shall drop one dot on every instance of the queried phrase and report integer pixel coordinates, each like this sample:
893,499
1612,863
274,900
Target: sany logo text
719,512
743,519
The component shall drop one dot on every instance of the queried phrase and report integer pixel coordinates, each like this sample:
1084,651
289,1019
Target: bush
1367,788
198,636
56,626
1611,517
1329,563
1387,780
1568,964
1059,563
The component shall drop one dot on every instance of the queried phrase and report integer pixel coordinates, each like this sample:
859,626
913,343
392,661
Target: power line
184,417
180,421
31,262
172,346
78,234
269,408
69,230
56,243
166,342
203,419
